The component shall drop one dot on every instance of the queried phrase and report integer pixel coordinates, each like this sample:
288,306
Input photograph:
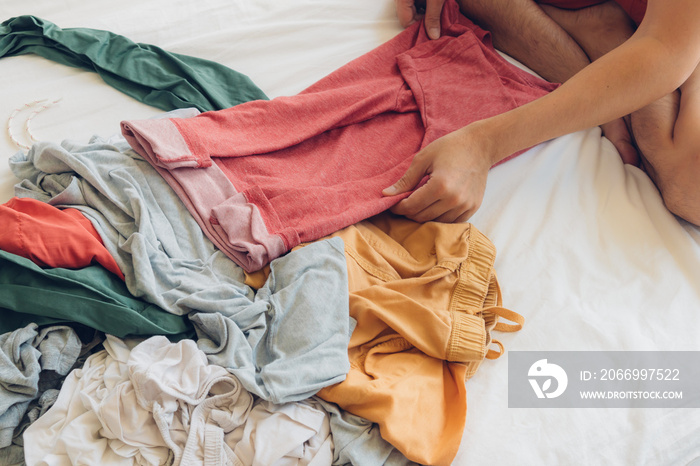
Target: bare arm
655,61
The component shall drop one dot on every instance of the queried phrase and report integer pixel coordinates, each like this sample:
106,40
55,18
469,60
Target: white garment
284,435
163,403
72,432
192,402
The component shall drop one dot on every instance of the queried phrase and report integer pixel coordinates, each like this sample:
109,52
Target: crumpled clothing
147,73
156,402
426,299
25,354
51,237
296,331
357,441
167,261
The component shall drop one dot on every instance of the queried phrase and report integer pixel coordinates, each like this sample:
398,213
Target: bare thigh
597,29
523,30
667,133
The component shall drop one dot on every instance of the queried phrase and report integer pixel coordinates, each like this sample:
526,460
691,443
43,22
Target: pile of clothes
228,287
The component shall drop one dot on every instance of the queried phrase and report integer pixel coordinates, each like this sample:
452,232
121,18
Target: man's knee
679,187
685,205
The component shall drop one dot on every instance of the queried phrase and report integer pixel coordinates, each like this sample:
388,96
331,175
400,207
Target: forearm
655,61
617,84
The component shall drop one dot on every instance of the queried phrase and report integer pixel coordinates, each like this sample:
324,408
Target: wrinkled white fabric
287,434
72,432
163,403
192,402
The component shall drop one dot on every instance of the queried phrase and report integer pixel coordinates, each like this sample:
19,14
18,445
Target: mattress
587,251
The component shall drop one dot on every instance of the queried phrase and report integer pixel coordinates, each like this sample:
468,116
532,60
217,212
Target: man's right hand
410,11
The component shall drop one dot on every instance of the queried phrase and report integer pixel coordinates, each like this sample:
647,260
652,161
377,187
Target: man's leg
598,30
668,135
523,30
667,132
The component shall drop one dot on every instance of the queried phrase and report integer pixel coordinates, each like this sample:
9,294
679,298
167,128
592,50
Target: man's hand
410,11
457,165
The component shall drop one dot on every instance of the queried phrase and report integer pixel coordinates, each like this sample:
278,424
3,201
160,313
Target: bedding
586,250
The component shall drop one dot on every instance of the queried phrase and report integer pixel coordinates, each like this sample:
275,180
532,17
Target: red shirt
51,237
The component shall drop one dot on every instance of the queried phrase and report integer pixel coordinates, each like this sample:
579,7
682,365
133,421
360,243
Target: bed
587,252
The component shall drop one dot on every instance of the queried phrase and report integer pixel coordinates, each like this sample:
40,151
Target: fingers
436,213
433,10
456,169
406,12
410,179
433,214
436,201
456,216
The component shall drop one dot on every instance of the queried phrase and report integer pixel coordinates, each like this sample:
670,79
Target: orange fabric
425,298
51,237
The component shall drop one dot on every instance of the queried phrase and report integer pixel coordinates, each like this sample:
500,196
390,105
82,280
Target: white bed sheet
587,251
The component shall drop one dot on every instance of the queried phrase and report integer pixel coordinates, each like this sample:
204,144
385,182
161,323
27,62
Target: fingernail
434,33
390,191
